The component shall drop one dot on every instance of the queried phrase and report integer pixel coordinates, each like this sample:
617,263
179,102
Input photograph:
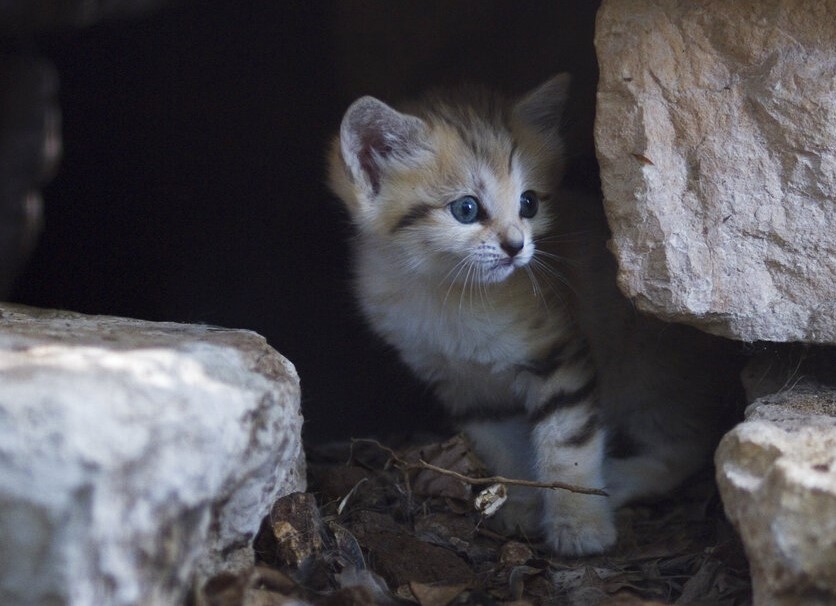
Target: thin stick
503,480
421,464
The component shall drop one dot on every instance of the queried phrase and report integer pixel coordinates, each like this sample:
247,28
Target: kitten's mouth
500,270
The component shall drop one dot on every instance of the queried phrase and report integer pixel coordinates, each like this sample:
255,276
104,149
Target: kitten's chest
431,325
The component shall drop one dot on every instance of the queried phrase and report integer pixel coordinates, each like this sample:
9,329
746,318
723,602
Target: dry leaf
455,455
490,500
437,546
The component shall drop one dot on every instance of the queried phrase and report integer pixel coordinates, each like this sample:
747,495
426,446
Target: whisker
484,293
467,286
535,285
567,237
555,257
458,268
548,271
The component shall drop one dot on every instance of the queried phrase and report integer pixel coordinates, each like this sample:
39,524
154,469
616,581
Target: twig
503,480
421,464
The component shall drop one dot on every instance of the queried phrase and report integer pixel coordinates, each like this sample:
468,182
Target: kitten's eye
529,204
466,209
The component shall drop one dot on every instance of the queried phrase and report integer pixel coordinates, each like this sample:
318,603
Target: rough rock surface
777,477
715,132
134,455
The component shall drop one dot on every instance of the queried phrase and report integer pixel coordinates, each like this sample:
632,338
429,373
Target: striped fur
478,310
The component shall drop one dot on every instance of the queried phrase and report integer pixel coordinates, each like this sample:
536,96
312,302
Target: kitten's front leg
569,447
505,447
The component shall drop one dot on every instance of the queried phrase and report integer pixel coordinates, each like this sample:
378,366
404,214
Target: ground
378,527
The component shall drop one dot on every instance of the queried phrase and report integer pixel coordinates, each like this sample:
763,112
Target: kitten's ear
542,108
374,136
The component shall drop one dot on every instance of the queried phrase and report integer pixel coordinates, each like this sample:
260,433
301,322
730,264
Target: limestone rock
777,477
135,455
716,136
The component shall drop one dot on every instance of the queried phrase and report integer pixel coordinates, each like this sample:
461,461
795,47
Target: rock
777,477
716,136
135,455
297,528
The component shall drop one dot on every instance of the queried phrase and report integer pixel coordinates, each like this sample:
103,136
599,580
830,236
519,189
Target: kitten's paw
589,531
567,539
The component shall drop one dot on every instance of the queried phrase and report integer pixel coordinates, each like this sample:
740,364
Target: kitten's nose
511,246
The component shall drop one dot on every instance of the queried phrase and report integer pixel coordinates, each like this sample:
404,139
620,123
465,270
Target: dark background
191,187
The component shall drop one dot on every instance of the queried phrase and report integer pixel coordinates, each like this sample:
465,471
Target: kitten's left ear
373,137
542,108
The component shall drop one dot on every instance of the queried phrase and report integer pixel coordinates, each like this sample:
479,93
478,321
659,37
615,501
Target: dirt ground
380,525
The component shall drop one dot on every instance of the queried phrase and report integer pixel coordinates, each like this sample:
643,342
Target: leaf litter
385,526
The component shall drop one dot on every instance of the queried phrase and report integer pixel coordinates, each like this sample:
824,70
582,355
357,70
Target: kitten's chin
498,273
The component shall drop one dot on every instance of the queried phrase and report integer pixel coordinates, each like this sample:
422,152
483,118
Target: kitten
496,289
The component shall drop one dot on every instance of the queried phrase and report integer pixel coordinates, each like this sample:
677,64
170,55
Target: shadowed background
191,186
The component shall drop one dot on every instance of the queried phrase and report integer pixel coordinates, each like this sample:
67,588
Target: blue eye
529,204
466,209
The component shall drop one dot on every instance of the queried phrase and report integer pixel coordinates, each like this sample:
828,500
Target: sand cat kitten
497,290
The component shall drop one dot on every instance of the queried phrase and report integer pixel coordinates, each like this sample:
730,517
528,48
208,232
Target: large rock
777,477
716,136
135,456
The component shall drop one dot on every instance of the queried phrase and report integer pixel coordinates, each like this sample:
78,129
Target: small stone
297,527
514,553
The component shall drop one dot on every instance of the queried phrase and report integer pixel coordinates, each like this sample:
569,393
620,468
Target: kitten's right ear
542,108
374,136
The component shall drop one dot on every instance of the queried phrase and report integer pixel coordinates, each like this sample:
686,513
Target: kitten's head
455,187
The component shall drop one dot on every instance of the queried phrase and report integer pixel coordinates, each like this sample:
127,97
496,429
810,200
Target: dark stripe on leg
562,399
584,433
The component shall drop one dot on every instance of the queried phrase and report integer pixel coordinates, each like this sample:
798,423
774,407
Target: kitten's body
540,368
